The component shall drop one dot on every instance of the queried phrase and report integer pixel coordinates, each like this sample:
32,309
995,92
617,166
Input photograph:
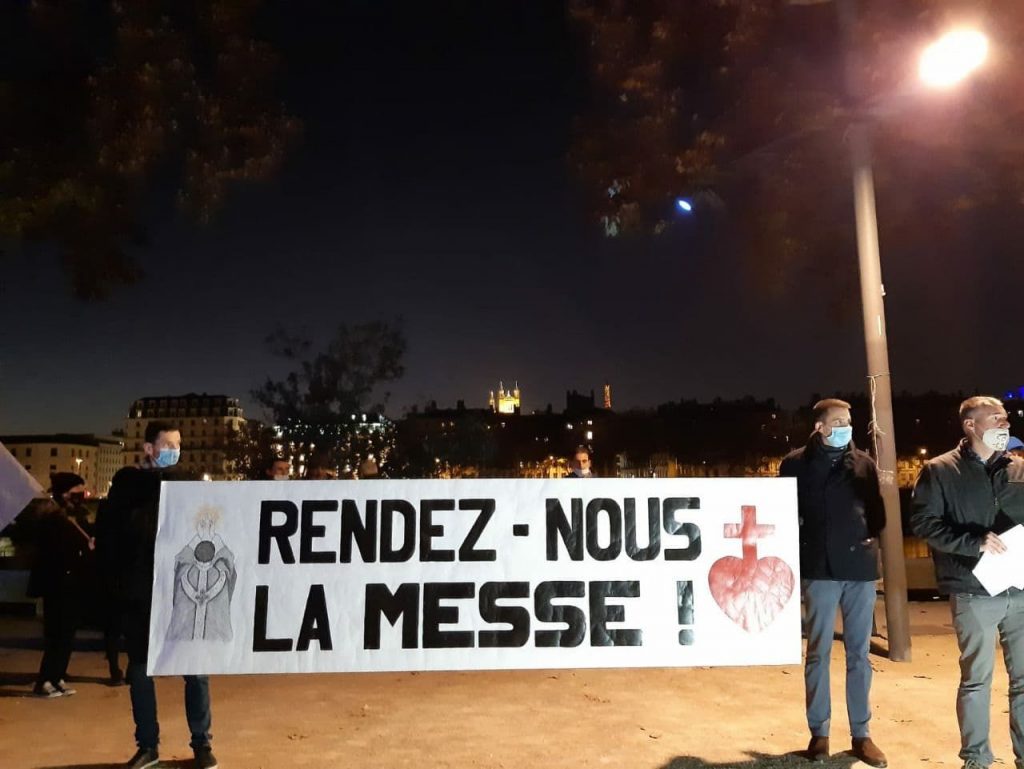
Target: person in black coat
841,515
59,576
126,532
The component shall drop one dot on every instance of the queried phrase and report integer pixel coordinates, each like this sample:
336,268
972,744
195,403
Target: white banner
333,576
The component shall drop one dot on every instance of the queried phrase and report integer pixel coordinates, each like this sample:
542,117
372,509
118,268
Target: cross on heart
751,591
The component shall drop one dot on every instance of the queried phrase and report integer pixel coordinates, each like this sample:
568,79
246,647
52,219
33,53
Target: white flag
17,487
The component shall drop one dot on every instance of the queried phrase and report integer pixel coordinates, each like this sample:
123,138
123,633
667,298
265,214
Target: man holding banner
841,516
130,514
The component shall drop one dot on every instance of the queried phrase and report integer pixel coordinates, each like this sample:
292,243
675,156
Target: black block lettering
633,550
516,616
388,509
311,531
601,613
358,529
429,530
468,551
610,508
403,604
435,615
690,530
575,619
315,623
278,532
260,642
557,524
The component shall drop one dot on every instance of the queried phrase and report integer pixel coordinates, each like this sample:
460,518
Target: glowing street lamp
952,58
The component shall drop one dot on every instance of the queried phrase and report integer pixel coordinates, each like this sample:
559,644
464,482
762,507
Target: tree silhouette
114,109
321,406
740,106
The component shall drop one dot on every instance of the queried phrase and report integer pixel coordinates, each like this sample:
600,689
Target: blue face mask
839,438
167,457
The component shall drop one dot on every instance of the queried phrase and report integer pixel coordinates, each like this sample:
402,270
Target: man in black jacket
841,516
126,536
963,500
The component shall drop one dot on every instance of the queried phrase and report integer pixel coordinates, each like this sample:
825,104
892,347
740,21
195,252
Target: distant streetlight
684,206
953,57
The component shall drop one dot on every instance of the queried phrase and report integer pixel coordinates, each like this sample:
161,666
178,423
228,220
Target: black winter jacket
841,511
958,499
63,558
126,533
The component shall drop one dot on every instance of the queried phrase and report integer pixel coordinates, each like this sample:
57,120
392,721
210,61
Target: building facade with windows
94,458
208,423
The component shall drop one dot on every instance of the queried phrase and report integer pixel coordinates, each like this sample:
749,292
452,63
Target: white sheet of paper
999,572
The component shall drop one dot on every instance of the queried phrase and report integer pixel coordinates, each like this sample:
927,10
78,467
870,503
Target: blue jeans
143,691
978,620
197,707
857,602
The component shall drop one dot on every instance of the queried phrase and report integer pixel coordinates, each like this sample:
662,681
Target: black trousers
112,631
61,617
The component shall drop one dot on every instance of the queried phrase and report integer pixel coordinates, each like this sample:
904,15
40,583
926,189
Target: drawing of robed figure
204,581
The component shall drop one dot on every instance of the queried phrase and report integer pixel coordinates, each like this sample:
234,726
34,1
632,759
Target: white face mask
281,477
996,438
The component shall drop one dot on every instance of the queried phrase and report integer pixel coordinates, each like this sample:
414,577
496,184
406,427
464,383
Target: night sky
431,183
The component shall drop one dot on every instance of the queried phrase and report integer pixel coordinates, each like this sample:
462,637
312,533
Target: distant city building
95,459
207,423
507,401
577,403
340,447
607,396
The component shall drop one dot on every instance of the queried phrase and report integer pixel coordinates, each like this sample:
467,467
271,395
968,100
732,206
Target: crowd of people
963,500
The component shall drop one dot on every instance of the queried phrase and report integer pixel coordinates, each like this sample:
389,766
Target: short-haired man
579,465
280,469
131,519
963,500
841,516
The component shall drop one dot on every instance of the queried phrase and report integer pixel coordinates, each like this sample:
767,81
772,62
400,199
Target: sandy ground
630,719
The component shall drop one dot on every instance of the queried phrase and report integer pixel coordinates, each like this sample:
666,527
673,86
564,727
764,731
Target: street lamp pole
894,568
872,292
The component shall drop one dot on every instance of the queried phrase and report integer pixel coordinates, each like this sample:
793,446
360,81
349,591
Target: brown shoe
817,749
868,752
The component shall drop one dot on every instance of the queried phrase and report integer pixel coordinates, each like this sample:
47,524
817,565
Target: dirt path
628,719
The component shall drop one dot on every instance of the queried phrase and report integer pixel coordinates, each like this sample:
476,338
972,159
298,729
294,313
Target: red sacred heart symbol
750,590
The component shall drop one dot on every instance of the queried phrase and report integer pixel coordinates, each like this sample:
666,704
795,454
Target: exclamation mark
684,602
